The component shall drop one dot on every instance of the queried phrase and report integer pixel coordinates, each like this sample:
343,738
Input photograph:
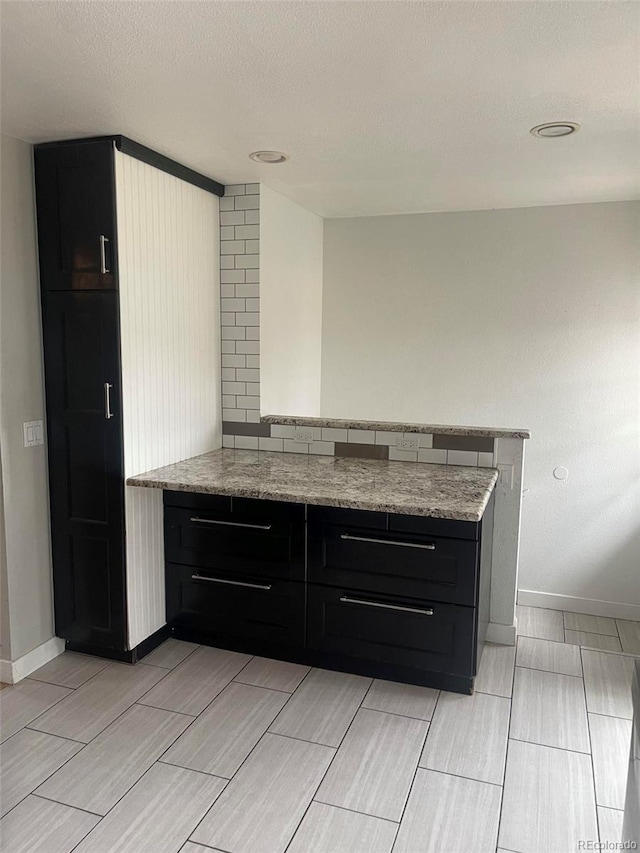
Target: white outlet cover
304,434
33,433
406,443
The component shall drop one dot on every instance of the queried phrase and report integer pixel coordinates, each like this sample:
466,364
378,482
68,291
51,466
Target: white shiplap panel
169,323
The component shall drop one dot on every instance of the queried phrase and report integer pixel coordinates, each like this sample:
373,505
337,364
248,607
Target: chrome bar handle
108,414
266,586
103,254
230,523
427,546
423,612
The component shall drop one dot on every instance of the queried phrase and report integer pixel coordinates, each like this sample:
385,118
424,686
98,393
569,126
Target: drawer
394,563
393,631
256,609
426,525
256,539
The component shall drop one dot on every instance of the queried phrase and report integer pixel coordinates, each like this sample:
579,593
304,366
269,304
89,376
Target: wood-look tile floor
197,750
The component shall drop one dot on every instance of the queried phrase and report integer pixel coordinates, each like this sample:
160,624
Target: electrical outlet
33,433
506,475
407,443
304,434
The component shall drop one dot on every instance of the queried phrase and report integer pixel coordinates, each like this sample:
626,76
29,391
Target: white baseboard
13,671
593,606
503,635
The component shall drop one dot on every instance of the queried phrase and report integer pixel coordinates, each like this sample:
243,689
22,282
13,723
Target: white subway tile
234,415
227,262
462,457
253,333
228,346
233,360
233,388
228,440
247,232
247,442
271,444
248,402
227,290
234,189
252,247
362,436
232,247
232,304
334,434
248,375
435,457
295,446
485,460
232,276
228,401
228,232
253,416
250,290
388,438
226,204
253,389
253,360
252,217
246,262
252,189
250,347
403,455
322,448
253,275
228,318
250,202
426,441
253,305
233,333
228,374
232,217
282,431
251,318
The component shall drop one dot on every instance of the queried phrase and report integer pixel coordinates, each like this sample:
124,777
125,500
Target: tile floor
198,750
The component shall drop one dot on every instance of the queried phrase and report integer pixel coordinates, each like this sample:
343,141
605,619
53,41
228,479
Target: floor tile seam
615,621
506,752
356,811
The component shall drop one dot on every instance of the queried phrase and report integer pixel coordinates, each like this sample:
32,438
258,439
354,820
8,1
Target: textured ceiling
384,107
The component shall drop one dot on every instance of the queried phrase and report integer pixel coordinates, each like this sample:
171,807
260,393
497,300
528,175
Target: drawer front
257,540
394,563
424,635
255,609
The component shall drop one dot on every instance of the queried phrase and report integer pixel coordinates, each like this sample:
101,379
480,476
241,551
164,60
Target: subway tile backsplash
240,322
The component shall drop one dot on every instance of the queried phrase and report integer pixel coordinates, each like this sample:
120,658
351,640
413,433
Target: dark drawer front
393,563
430,636
254,609
258,540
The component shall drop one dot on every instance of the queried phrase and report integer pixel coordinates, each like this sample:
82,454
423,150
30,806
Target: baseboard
593,606
503,635
13,671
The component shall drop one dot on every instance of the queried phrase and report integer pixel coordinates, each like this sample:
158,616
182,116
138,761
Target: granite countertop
410,488
394,426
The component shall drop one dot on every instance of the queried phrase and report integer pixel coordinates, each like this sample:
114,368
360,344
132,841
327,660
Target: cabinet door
85,466
76,216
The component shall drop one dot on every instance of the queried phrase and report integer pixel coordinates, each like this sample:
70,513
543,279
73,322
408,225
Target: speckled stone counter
439,491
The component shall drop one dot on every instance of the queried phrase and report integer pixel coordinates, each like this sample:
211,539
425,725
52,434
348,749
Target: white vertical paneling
168,250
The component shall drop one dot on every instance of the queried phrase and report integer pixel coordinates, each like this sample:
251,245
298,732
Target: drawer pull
231,583
423,611
426,546
230,523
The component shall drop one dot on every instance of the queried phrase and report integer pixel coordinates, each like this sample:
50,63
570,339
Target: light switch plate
33,433
506,475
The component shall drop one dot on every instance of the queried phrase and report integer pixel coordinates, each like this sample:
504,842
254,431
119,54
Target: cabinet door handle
197,520
103,254
266,586
425,546
108,414
423,611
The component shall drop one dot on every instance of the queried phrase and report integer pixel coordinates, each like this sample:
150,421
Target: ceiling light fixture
270,157
554,129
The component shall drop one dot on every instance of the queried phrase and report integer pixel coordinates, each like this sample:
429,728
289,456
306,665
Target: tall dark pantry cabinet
128,268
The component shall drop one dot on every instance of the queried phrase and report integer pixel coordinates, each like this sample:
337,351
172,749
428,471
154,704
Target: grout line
459,776
549,746
57,802
355,811
49,734
506,752
593,767
396,714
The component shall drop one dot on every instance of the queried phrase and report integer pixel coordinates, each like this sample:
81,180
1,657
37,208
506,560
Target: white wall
168,254
290,306
26,584
515,318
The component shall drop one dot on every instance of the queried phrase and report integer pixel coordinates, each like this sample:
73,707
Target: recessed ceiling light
553,129
268,157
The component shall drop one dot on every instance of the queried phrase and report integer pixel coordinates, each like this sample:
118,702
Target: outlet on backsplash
303,434
407,443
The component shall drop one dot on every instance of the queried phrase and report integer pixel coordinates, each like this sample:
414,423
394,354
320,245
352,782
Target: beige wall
514,318
27,566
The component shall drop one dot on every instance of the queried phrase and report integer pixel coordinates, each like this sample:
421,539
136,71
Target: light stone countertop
410,488
394,426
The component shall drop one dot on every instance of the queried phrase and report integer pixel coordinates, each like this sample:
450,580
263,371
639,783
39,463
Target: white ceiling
383,107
